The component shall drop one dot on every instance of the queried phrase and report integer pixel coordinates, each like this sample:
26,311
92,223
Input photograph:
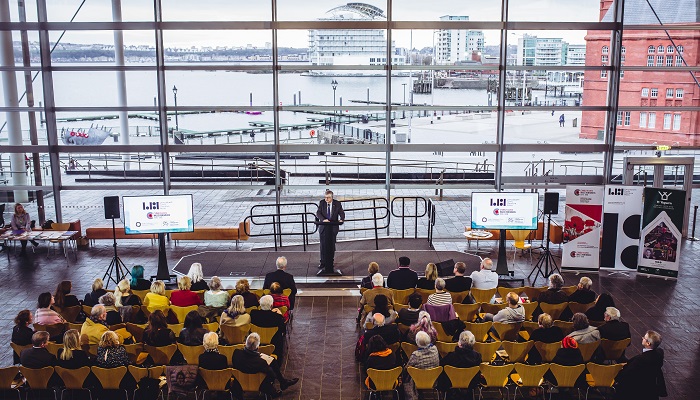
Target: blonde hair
109,339
373,268
215,283
545,320
184,283
237,306
242,286
431,272
210,341
195,273
123,287
97,284
71,341
158,287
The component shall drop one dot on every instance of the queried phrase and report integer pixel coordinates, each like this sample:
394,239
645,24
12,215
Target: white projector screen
504,210
158,214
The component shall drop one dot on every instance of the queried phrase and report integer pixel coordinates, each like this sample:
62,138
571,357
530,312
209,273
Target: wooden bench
215,233
556,234
106,233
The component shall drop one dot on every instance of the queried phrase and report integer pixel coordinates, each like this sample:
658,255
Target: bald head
378,319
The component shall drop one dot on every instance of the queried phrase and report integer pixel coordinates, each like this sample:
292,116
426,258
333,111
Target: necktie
329,211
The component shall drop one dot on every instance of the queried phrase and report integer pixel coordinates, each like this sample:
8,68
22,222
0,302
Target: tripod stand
116,266
546,260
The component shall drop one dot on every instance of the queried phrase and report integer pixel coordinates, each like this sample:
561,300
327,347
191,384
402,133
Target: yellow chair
216,380
211,327
17,349
77,327
161,355
133,351
384,380
554,310
529,376
614,349
235,334
507,331
479,329
503,290
519,238
401,296
467,312
482,295
441,334
487,350
529,308
141,293
56,226
547,350
191,353
168,293
461,377
580,307
250,383
71,313
445,348
565,326
7,377
569,290
588,349
176,328
424,293
73,379
136,331
517,351
110,378
53,348
403,329
408,348
566,376
181,312
527,328
53,329
148,310
399,306
266,334
601,376
227,351
424,379
38,379
258,292
457,297
533,293
492,308
139,373
496,376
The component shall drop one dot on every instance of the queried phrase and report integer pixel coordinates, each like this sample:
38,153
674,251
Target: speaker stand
502,263
116,266
546,260
163,273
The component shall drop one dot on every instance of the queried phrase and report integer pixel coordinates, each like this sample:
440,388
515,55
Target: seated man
38,355
403,277
250,361
613,328
285,279
484,278
642,377
459,283
266,318
369,295
94,326
409,316
514,313
464,356
583,293
389,332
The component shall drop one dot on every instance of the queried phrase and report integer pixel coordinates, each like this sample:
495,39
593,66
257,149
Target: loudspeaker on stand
551,203
112,207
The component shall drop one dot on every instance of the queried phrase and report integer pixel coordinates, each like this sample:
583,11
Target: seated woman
441,297
156,299
380,357
554,294
279,300
197,277
193,332
184,297
215,297
424,324
93,297
123,295
71,356
110,353
235,315
381,305
428,281
211,359
44,314
373,268
22,333
546,333
137,281
427,356
597,312
113,316
157,332
464,356
583,333
569,355
63,298
249,298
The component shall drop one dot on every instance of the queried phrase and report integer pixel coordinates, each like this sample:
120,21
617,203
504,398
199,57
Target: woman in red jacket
184,297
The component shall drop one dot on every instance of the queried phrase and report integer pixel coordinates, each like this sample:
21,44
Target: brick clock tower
659,88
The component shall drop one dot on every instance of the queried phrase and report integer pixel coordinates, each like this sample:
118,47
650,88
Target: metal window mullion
276,110
500,125
387,122
162,98
613,90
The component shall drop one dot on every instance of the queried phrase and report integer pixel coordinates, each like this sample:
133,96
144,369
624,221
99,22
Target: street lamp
177,127
404,99
334,85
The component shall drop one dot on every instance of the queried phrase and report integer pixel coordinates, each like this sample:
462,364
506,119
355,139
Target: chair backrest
445,348
181,312
569,290
211,327
504,290
73,378
133,351
424,293
587,349
18,348
547,350
441,334
529,308
566,375
249,382
441,313
216,380
487,350
533,292
77,327
227,351
492,308
258,292
496,375
156,371
109,378
235,334
141,293
71,313
191,353
7,376
613,349
554,310
467,312
266,334
461,377
53,348
565,326
424,379
384,379
399,306
408,348
507,331
58,226
38,378
136,330
531,375
176,328
520,236
580,307
161,355
53,329
457,297
603,375
482,295
527,329
138,373
401,296
479,329
517,351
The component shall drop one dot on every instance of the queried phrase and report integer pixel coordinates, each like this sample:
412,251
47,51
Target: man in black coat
250,361
266,318
329,210
464,356
403,277
583,293
390,333
284,278
642,377
459,283
613,328
38,356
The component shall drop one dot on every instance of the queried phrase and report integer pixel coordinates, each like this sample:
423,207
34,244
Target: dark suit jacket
614,330
213,360
552,296
425,283
547,335
337,213
269,319
286,281
92,298
402,278
458,284
642,377
248,362
583,296
390,333
37,358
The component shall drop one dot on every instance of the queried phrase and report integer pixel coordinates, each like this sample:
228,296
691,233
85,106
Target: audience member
22,333
137,280
597,312
379,357
113,317
211,359
459,283
568,355
642,378
110,353
266,318
63,298
243,290
613,328
403,277
484,278
196,276
554,294
235,315
94,326
381,306
156,299
463,356
583,333
285,280
583,293
425,357
157,332
123,295
71,356
409,316
184,296
250,361
97,290
428,281
390,332
192,333
279,300
44,315
513,313
424,324
440,297
21,221
547,332
215,297
369,295
38,355
372,269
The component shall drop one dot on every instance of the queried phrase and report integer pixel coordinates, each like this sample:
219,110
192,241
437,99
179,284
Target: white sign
158,214
583,215
501,210
622,223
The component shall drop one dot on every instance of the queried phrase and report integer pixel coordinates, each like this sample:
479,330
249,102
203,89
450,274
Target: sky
301,10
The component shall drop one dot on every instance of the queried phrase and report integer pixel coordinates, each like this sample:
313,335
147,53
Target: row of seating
479,295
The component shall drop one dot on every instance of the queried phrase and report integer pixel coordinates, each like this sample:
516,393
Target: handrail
403,214
431,221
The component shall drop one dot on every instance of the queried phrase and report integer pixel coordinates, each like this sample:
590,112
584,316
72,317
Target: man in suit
250,361
613,328
284,278
329,210
266,318
642,377
459,283
38,356
403,277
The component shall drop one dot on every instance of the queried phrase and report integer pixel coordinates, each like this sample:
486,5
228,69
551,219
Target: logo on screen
498,202
577,192
495,211
149,215
616,192
151,205
573,254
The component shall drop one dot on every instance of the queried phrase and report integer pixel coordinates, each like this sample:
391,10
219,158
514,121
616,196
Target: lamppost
334,85
177,127
404,99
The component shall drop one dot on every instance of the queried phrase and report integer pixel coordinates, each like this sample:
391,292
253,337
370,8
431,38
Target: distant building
457,45
544,52
654,88
351,46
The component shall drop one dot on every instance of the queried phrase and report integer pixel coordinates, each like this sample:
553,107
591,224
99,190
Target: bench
556,234
93,234
215,233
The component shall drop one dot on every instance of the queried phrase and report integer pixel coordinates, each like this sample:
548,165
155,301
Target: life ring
312,133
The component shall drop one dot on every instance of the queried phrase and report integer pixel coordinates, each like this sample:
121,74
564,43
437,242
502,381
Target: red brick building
660,88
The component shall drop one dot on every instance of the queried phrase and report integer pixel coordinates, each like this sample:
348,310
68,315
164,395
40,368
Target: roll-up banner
583,214
622,223
662,227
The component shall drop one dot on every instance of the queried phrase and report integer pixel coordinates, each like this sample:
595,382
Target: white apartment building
457,45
